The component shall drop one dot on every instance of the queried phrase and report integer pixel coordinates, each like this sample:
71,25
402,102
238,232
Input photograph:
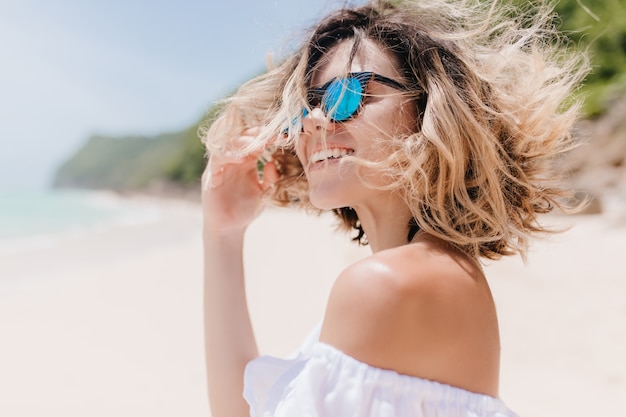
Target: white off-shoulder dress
321,381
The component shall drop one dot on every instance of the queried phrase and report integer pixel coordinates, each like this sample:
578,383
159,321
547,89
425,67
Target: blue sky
73,68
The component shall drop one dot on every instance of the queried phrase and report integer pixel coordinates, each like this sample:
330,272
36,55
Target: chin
325,203
331,190
330,196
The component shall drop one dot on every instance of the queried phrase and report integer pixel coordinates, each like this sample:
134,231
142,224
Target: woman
427,127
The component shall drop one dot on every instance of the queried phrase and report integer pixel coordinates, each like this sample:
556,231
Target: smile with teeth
330,154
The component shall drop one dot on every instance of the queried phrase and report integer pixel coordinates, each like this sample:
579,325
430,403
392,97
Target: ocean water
38,217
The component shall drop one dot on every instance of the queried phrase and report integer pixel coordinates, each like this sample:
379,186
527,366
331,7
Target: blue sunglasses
341,98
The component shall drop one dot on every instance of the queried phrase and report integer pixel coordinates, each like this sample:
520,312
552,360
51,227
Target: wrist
212,232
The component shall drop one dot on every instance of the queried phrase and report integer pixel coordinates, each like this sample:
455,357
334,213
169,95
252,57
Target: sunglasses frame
317,95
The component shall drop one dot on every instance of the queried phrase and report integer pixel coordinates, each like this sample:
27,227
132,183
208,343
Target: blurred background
109,96
100,259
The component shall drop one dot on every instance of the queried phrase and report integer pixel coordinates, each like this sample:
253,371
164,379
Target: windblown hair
494,87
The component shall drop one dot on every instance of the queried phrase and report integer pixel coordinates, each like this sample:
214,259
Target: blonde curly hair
494,86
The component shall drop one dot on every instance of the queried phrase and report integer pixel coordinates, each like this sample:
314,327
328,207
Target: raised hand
232,190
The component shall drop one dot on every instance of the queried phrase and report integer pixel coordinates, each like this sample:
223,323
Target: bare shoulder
421,309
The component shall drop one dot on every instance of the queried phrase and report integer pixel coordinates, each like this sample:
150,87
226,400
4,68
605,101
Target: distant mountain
134,162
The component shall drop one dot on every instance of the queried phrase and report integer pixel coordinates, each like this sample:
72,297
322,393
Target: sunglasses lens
342,99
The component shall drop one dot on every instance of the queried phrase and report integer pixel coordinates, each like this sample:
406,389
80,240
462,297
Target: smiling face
385,113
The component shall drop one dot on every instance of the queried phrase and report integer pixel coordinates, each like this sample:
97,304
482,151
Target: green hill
134,162
598,26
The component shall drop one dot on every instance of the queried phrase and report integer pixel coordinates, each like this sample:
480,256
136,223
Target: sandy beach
109,323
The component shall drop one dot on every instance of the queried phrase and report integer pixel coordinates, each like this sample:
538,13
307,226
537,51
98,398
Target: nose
316,121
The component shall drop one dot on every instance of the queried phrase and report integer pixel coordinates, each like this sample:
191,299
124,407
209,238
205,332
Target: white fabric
321,381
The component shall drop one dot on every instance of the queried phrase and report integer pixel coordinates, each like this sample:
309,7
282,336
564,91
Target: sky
70,69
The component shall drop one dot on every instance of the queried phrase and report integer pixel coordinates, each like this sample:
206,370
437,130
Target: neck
386,224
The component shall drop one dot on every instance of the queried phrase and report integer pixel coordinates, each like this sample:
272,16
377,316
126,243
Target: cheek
299,151
382,127
405,119
392,120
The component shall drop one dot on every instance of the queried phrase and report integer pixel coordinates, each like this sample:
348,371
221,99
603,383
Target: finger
218,170
270,175
239,150
245,141
212,177
220,160
252,131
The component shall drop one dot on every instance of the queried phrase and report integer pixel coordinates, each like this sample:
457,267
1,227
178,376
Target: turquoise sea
28,216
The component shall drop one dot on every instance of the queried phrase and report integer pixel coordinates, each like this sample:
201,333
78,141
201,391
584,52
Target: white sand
110,323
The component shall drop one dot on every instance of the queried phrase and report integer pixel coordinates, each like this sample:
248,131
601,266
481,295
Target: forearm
229,339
